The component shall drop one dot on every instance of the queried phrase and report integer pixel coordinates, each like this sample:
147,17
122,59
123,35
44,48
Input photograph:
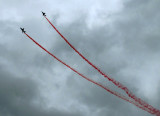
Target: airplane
44,14
23,31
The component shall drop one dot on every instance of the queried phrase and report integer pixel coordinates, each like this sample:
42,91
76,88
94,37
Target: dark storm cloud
120,50
18,96
140,26
91,43
136,32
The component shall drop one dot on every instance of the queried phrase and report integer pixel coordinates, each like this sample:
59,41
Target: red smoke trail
106,88
118,84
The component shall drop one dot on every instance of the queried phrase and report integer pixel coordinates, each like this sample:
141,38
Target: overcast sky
121,37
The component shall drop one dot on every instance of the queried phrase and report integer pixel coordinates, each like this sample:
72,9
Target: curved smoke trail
98,84
118,84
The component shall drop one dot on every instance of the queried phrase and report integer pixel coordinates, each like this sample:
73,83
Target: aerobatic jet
44,14
22,29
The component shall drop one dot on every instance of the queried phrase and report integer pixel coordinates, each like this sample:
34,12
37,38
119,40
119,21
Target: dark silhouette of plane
22,29
44,14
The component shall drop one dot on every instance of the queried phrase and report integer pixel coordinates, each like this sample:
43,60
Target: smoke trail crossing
118,84
98,84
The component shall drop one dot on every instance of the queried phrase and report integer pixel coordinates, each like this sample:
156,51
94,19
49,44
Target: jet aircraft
44,14
22,29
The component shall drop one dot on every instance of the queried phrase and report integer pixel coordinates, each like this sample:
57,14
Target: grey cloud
121,50
19,95
139,41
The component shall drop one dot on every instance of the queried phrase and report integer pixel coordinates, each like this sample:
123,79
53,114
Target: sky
120,37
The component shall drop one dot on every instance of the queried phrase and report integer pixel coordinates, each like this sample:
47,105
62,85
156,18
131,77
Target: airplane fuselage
22,29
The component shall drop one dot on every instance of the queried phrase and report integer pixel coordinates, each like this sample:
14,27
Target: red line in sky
118,84
106,88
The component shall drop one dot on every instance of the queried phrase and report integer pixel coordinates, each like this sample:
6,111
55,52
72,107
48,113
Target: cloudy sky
120,37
